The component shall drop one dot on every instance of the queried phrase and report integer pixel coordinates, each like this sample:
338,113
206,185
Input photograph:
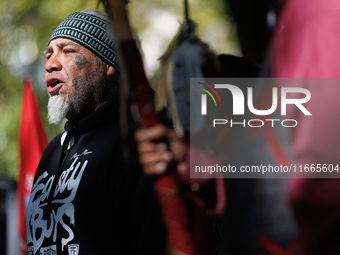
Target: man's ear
110,71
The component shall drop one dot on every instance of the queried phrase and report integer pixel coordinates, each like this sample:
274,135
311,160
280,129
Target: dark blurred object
9,238
255,21
237,67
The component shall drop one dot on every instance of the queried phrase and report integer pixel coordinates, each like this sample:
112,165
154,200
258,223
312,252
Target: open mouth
53,86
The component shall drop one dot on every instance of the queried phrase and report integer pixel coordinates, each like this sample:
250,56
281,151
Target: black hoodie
87,200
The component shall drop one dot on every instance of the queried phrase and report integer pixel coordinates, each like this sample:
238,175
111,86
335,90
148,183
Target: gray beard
57,109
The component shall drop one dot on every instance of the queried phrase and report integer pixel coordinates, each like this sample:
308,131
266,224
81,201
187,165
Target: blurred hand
159,147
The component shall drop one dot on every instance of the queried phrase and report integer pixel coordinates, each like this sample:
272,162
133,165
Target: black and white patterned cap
92,33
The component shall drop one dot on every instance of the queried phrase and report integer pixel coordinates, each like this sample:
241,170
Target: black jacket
91,201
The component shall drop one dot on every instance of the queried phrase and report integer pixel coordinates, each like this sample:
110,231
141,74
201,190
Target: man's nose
53,64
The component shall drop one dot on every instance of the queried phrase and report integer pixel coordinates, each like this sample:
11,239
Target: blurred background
306,45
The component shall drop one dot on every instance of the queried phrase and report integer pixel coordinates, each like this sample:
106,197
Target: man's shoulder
53,145
56,141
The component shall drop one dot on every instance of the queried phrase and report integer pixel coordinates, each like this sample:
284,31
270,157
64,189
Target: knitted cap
92,33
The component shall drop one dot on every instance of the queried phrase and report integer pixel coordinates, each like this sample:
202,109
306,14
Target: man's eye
67,51
48,56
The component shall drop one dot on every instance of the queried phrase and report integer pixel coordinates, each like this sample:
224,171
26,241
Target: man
85,199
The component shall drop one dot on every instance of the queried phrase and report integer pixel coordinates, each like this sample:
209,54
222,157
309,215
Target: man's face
72,74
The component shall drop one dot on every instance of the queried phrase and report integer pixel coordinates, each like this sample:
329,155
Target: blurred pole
9,236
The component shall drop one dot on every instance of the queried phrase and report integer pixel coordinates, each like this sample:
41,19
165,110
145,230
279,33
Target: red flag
32,142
